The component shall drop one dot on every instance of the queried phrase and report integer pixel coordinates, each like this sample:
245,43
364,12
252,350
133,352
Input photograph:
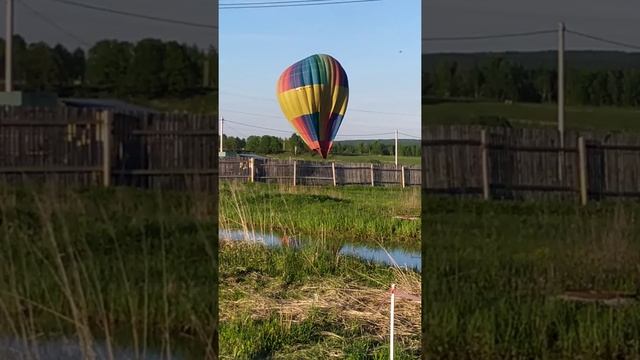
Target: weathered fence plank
524,163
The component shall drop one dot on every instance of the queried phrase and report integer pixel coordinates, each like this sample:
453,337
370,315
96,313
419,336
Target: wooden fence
529,163
73,147
296,172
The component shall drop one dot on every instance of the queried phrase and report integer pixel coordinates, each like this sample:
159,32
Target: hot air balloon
313,94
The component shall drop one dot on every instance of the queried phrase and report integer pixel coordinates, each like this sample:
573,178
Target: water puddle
69,348
391,256
58,349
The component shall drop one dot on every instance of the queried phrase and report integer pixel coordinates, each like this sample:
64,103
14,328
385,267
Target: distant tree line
267,145
503,80
149,68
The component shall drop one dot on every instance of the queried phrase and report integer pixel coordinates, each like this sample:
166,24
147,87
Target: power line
289,4
53,23
486,37
381,112
597,38
254,114
359,135
409,135
271,2
291,131
349,109
135,15
258,127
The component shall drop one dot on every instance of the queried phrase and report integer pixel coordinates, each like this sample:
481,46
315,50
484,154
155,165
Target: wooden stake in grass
393,300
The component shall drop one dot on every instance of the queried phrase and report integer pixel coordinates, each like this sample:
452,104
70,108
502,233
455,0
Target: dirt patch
609,298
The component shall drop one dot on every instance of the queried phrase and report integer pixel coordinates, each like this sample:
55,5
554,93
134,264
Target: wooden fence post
403,178
333,172
107,117
372,183
294,172
485,165
582,168
252,170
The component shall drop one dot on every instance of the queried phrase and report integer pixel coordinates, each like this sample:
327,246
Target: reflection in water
393,257
67,349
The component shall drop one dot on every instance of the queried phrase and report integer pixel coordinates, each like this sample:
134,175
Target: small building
106,104
28,99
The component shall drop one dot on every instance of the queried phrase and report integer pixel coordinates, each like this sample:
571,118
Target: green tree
212,63
180,71
295,144
631,88
447,79
253,144
42,68
145,74
78,66
64,60
108,65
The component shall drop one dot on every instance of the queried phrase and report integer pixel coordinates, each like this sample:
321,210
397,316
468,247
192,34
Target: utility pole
396,147
221,133
8,51
561,33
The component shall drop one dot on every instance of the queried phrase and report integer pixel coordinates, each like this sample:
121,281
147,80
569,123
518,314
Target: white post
393,300
403,178
561,31
396,148
221,133
294,173
8,50
252,170
372,178
333,172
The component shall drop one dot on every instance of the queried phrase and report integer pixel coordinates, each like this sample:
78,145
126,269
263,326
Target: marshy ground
311,302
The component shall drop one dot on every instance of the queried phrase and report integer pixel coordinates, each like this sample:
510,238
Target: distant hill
403,142
582,59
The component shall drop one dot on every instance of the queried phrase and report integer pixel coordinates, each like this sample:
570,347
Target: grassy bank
518,280
359,213
532,115
127,267
312,304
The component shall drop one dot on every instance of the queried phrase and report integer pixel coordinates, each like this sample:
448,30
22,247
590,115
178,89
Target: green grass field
358,213
311,302
532,115
385,159
121,266
498,277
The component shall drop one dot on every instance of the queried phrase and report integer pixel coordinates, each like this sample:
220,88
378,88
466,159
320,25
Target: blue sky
377,43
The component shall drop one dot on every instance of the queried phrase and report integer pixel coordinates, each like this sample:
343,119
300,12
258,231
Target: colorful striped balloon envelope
313,94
